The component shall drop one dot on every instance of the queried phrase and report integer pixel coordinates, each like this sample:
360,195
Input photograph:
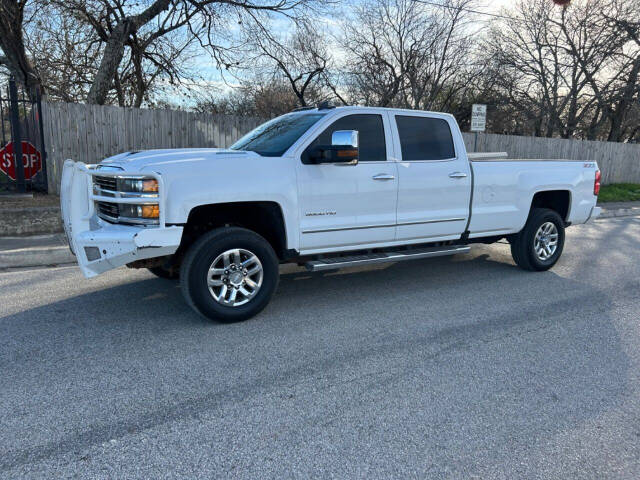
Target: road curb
36,257
620,212
28,221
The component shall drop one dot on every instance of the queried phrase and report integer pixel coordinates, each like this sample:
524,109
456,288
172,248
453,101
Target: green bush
620,192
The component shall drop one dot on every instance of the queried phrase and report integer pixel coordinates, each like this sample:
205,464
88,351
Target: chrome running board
357,260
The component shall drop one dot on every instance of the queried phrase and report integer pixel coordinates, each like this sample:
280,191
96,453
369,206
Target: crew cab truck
324,187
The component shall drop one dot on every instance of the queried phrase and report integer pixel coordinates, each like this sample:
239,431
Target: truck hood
145,159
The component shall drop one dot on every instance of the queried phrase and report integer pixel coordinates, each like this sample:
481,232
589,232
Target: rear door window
423,138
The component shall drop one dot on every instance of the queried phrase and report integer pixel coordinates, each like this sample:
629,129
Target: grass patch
620,192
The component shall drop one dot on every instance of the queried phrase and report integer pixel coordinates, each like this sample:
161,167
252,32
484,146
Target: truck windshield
273,138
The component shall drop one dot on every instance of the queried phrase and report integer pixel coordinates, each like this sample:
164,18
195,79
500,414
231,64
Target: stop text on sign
31,160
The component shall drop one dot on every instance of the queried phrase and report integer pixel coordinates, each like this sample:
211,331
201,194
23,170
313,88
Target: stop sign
31,159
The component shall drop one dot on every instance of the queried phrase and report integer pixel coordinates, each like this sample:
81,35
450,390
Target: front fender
234,179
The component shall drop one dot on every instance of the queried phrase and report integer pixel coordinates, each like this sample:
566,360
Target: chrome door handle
458,175
383,176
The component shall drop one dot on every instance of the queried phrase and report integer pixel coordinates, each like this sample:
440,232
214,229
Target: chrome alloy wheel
545,243
235,277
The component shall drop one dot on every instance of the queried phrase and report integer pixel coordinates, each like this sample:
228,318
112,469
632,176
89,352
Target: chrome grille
106,183
108,211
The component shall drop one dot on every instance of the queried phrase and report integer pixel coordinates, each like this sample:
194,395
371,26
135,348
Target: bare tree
149,66
571,71
65,52
525,49
300,59
140,24
257,96
624,115
591,47
67,49
375,61
12,17
409,53
126,23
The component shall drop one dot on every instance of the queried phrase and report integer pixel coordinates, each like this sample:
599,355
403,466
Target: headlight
113,193
150,212
135,185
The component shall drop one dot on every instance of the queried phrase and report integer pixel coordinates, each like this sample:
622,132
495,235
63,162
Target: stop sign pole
16,135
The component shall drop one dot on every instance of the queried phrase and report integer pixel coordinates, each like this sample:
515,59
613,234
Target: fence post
43,148
16,135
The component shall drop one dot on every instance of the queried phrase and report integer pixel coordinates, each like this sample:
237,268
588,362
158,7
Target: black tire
162,272
198,259
522,244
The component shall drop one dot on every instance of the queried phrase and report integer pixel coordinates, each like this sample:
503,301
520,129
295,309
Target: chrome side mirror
342,151
345,138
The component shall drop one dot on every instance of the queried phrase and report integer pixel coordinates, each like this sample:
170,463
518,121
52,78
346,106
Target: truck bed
503,157
503,190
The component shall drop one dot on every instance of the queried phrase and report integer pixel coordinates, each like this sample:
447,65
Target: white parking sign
478,117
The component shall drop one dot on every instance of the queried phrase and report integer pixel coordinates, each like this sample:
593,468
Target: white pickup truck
323,187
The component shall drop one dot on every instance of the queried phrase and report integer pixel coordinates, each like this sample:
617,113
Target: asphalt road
463,367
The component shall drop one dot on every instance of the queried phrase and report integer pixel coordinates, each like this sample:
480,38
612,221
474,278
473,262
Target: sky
212,79
497,4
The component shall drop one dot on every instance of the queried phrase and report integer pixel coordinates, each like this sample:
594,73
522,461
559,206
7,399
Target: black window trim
387,128
416,114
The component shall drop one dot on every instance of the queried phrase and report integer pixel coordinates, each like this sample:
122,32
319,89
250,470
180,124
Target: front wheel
229,274
539,244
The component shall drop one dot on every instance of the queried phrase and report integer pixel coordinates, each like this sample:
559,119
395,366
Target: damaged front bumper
100,245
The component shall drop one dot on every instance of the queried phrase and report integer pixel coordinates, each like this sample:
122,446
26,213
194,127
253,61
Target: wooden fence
619,162
91,133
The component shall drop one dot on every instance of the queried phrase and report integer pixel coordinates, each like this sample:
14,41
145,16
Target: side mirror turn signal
343,149
342,154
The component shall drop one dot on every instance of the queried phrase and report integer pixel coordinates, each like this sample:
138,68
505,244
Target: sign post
16,135
478,121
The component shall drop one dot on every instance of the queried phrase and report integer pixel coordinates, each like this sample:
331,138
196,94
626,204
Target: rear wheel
229,274
539,244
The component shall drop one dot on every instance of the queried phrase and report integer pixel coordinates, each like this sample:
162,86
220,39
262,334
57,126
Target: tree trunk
140,87
119,91
12,44
114,51
111,58
619,113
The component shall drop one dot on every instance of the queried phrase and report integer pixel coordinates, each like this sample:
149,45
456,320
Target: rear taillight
596,183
